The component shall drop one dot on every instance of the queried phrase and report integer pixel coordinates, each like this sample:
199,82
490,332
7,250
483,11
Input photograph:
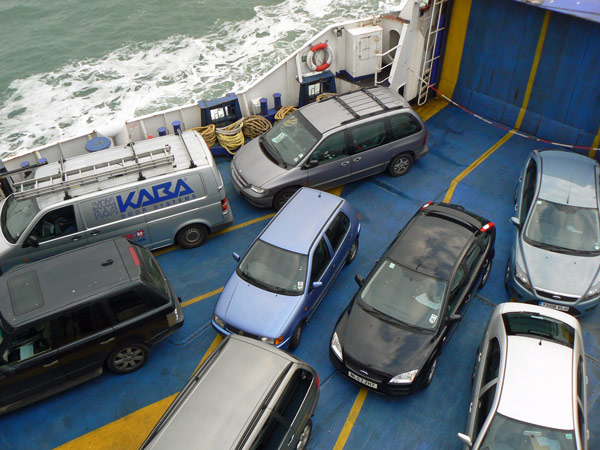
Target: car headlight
522,277
593,291
258,190
336,346
272,341
219,321
404,378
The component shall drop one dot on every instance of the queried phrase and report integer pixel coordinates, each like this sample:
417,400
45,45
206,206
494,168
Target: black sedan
390,336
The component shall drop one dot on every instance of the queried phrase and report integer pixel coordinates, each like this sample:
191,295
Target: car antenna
540,343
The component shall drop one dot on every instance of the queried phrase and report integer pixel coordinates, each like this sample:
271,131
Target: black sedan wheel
430,373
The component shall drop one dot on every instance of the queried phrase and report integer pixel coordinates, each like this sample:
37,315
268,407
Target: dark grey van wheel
283,196
127,358
296,336
192,236
400,164
305,436
353,251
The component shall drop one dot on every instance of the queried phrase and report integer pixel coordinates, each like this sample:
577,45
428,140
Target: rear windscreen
25,292
152,274
532,324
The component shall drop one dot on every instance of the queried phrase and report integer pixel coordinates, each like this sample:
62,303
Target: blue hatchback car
288,269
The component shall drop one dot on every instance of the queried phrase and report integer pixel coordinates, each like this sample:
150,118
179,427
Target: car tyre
353,251
127,358
400,164
296,336
507,274
430,373
487,269
305,436
282,197
191,236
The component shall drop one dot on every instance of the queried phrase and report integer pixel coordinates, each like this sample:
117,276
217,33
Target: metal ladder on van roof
101,171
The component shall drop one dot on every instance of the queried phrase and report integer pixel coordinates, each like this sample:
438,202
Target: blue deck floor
428,419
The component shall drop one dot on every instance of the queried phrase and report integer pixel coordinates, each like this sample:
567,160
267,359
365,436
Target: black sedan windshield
274,268
291,138
404,295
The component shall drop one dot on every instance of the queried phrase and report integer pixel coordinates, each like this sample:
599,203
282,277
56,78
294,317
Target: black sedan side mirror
5,370
454,318
359,280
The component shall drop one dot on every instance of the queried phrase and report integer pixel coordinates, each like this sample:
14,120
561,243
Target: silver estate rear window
532,324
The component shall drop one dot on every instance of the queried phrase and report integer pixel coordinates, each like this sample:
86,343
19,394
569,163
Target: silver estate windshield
405,295
563,227
291,138
274,269
16,215
505,432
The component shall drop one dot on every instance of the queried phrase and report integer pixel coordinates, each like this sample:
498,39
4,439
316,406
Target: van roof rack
103,170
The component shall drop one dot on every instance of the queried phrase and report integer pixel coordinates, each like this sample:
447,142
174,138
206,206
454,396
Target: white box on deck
362,46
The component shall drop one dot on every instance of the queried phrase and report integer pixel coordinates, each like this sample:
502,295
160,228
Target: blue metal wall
500,46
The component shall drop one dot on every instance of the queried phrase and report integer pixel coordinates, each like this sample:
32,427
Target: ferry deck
471,163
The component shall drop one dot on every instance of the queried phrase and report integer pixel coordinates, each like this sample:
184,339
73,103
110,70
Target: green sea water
69,65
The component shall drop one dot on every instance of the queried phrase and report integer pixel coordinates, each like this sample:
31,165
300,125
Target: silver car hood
254,166
558,272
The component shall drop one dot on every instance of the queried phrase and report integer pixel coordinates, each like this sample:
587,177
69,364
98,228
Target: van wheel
305,436
282,197
296,336
192,236
353,251
400,164
127,358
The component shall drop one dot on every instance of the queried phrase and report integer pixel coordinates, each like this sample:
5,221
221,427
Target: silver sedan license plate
553,306
362,380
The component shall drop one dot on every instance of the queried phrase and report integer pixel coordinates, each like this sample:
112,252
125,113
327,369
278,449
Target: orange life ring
310,57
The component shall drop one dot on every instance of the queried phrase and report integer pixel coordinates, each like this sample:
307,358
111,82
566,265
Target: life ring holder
310,57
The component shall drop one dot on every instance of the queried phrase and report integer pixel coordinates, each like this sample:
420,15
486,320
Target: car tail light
224,204
425,205
486,227
358,217
318,384
134,255
425,140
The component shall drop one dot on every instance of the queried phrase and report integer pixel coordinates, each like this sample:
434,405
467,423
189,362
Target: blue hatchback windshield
274,269
290,139
563,227
405,295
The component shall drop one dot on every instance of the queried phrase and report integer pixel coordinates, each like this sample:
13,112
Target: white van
155,192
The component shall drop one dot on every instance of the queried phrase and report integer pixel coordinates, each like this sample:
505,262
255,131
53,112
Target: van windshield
290,139
16,215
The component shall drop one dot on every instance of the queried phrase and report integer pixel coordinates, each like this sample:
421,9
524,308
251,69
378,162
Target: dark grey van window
404,125
151,272
84,322
321,260
331,149
337,230
367,136
53,224
27,342
131,304
280,421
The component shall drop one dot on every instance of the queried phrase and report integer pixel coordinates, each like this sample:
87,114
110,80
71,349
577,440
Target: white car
529,382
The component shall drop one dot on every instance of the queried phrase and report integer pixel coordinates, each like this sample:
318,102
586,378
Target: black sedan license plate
362,380
553,306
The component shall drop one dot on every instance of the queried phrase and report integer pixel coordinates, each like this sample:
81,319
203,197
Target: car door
31,356
85,339
340,240
57,231
369,147
330,164
527,191
322,270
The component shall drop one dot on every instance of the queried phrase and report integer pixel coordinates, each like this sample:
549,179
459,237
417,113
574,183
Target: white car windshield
16,215
404,295
505,433
563,227
274,269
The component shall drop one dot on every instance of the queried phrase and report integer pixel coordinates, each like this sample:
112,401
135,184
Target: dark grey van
59,328
246,395
329,143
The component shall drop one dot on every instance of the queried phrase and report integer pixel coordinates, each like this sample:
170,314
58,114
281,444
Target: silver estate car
529,382
329,143
555,259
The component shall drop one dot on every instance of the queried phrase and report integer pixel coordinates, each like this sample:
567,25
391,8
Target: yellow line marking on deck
351,420
431,108
202,297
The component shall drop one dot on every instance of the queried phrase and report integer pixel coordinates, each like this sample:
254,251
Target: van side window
403,125
320,261
282,417
59,222
368,136
27,342
83,322
332,148
337,230
130,304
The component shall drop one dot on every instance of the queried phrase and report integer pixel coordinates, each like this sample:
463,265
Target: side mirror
31,241
236,256
359,280
465,439
5,370
317,284
454,318
310,164
515,221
